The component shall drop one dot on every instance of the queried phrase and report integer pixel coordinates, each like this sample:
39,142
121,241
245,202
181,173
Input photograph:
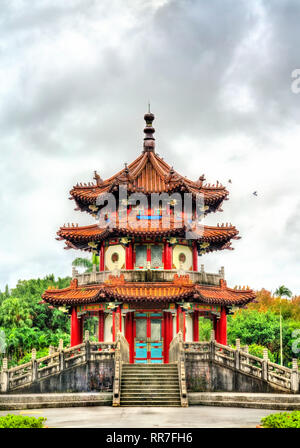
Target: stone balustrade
201,277
185,354
240,360
57,361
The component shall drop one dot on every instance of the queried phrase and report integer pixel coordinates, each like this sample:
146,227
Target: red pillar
223,327
195,257
180,321
114,325
81,328
167,256
196,326
101,326
101,258
129,256
129,334
75,328
169,334
215,327
166,337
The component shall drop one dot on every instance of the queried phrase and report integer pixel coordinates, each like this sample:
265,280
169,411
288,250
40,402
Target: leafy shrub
282,420
21,421
258,350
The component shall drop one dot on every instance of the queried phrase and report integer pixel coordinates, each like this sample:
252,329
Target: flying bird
255,193
229,181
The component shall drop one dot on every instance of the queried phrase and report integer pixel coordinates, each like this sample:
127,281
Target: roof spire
149,140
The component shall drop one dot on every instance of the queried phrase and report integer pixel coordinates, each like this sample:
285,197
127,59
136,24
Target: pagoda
146,282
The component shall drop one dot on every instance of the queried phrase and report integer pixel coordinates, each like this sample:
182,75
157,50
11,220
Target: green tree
280,292
83,263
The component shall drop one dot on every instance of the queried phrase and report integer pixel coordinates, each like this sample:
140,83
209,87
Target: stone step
149,372
149,375
149,365
150,394
155,384
150,385
152,389
161,405
148,403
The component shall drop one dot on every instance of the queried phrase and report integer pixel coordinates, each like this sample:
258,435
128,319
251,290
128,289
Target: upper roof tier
149,173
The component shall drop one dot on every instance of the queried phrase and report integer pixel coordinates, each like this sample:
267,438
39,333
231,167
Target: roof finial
149,140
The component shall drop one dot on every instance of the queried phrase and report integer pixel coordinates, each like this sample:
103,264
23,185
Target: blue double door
148,342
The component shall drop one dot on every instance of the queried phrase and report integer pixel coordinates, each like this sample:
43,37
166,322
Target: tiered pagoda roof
147,174
116,288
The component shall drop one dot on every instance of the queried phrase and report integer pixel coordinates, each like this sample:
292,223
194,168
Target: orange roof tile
149,173
140,291
79,237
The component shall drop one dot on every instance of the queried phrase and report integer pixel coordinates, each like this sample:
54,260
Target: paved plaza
152,417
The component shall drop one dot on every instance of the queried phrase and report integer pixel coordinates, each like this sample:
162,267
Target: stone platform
237,400
246,400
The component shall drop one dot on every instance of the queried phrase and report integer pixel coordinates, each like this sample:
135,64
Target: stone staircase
150,385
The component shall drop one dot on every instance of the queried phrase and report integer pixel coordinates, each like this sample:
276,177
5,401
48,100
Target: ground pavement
148,417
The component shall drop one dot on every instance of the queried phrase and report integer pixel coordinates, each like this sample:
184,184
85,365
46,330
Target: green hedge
282,420
21,421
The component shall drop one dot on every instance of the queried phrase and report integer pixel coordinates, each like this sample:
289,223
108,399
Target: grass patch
21,421
282,420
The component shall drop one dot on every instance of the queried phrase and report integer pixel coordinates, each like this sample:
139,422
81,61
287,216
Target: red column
101,258
81,328
195,257
120,318
166,337
180,321
101,326
167,256
114,326
196,326
129,256
75,328
129,334
177,318
168,334
223,327
215,327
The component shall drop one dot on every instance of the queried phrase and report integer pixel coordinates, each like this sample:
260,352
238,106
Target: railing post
51,352
61,355
4,382
116,388
34,365
295,376
212,345
87,345
237,354
265,365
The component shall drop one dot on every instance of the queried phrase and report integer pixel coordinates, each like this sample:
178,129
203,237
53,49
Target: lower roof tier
181,288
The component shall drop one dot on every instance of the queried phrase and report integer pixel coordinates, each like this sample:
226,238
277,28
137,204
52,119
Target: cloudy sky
75,79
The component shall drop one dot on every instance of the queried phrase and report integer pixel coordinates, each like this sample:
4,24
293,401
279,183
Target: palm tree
280,292
84,263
